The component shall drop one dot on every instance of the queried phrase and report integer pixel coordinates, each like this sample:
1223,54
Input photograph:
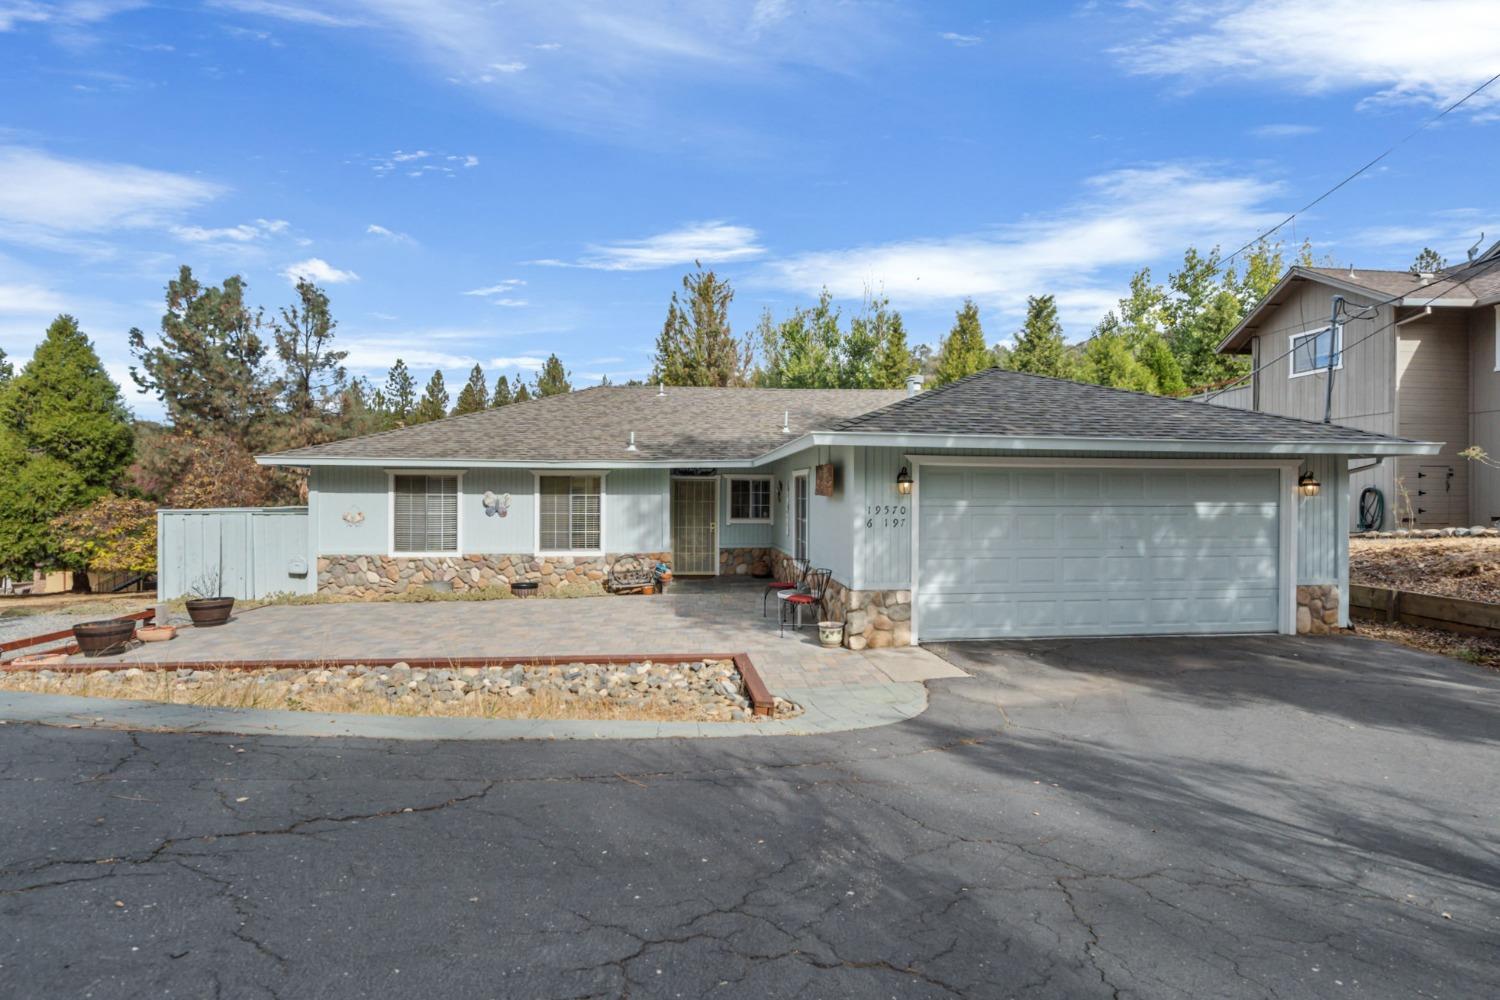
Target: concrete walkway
724,618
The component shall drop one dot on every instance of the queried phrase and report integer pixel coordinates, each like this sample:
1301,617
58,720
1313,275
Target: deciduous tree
114,534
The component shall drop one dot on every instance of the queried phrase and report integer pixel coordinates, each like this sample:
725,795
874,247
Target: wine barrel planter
524,588
206,611
99,638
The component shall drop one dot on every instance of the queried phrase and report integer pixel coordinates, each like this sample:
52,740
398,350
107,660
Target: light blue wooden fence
244,552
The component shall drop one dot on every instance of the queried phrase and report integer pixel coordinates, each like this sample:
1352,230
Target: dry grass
1470,649
223,691
1468,568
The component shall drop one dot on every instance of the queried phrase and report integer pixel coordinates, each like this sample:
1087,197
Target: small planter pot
831,633
208,611
524,588
649,589
101,638
156,633
38,660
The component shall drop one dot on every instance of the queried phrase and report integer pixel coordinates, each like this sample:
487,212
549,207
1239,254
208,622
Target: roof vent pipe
661,388
786,421
631,445
913,384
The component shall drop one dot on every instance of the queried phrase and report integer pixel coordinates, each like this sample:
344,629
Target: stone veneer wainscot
375,576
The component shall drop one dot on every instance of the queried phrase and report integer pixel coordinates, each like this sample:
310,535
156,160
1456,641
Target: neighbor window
571,513
750,499
424,514
1310,351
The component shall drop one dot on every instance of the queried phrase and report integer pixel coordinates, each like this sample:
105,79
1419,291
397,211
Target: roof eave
1163,446
387,462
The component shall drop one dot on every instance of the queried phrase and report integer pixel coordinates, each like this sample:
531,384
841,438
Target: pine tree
894,361
208,365
1429,261
434,402
6,369
474,396
552,380
523,394
65,439
313,377
697,345
400,393
963,351
1040,348
502,394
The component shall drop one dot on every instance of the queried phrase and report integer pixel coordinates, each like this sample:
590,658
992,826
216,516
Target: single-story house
1002,505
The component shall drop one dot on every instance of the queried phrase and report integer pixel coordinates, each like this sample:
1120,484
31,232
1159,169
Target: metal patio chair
799,574
809,595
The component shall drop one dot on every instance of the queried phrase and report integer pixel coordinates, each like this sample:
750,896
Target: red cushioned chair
809,595
799,574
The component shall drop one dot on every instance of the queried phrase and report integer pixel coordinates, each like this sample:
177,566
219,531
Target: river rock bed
706,690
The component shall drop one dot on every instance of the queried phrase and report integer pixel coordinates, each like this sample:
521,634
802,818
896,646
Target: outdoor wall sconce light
1308,485
903,482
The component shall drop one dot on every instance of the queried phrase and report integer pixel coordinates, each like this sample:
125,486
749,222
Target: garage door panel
1098,552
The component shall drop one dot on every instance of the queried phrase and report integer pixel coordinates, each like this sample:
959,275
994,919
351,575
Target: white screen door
695,549
799,514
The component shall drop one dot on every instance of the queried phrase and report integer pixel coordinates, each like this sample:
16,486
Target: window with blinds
425,509
571,514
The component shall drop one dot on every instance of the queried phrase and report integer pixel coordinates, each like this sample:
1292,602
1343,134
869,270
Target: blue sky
496,181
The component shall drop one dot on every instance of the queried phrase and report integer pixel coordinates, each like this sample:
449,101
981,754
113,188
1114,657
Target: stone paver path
724,618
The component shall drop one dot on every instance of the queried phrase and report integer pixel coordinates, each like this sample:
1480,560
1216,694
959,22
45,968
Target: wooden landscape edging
1451,614
67,633
761,701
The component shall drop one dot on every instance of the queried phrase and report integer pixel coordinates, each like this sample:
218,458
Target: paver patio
722,617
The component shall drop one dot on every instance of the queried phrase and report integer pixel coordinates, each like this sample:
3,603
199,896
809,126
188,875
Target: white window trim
390,513
536,512
1338,350
1497,338
729,517
803,474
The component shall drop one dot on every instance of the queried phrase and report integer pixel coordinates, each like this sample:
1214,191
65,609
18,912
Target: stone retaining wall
372,576
873,619
741,562
1317,608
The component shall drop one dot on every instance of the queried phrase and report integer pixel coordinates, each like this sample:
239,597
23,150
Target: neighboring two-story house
1417,357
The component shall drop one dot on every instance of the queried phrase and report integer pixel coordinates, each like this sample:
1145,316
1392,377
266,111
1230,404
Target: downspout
1335,348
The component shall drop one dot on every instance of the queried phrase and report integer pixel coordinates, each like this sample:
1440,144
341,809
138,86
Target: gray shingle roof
593,425
1001,403
1480,281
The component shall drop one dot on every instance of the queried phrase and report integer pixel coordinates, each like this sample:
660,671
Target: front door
695,550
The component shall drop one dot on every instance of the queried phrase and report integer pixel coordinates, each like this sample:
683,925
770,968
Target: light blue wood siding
636,507
483,532
334,491
1322,528
245,553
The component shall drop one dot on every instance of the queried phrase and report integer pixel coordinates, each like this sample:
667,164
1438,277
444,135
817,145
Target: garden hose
1371,509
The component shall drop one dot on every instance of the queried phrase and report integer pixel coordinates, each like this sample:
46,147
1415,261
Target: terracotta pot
37,660
100,638
155,633
207,611
649,589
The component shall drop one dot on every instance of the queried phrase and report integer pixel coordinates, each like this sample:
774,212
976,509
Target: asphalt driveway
1145,818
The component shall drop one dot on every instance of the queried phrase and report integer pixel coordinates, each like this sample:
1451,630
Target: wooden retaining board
1452,614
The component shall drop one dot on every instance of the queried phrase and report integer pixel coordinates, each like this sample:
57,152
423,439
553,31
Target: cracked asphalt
1253,817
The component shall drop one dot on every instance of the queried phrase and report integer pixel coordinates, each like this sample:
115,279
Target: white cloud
248,232
419,162
1433,51
319,272
510,303
30,299
1125,219
14,13
500,288
962,41
1283,130
373,229
527,363
42,194
710,242
294,12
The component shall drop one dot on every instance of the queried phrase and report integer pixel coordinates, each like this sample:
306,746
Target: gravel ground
1470,649
18,622
1451,567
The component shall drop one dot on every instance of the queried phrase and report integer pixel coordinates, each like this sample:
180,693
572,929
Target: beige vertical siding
1484,414
1364,389
1432,386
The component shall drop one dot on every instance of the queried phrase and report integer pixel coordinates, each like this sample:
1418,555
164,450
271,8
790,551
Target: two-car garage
1006,550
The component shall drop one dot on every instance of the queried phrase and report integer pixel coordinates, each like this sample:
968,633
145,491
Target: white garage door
1009,552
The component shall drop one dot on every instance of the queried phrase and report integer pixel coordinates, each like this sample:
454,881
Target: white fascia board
1417,302
485,463
1016,445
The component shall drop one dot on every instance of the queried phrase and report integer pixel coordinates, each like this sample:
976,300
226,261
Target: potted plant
663,576
831,633
155,633
208,607
101,637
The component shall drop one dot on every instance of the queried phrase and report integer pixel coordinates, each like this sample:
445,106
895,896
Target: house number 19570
885,516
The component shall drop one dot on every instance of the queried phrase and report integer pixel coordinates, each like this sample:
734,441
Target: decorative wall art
495,506
354,517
